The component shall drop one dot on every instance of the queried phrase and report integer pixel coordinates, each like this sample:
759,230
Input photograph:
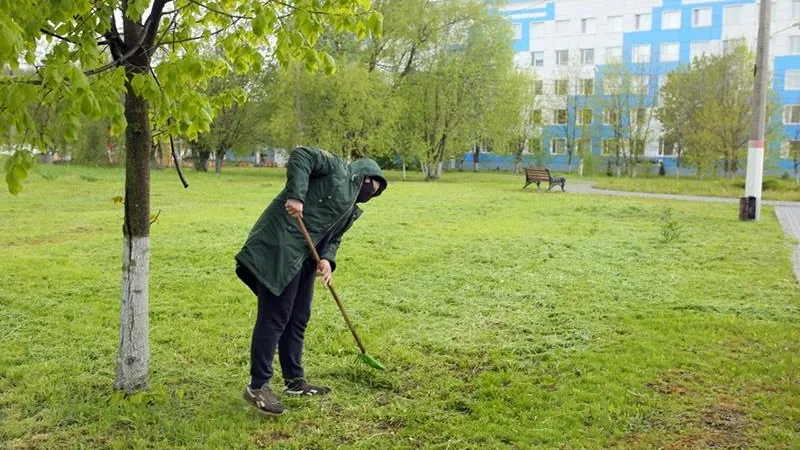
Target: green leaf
17,168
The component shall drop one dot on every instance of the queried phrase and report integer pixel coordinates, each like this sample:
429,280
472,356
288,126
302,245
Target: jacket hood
366,167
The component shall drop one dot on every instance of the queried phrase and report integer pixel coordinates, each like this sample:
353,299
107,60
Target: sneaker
299,386
264,400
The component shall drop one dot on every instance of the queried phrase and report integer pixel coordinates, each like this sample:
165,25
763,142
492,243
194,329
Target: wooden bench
539,174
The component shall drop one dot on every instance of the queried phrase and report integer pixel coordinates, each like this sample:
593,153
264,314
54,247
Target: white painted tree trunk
134,353
404,170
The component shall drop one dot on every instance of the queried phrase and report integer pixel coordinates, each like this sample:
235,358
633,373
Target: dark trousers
281,323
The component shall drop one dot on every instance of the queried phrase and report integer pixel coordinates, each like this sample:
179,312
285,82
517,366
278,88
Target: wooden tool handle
330,286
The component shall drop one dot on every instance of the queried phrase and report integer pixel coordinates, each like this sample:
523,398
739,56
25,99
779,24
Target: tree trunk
133,357
404,170
476,156
219,161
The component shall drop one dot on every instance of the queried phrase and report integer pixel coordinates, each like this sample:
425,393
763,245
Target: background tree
706,107
147,52
627,107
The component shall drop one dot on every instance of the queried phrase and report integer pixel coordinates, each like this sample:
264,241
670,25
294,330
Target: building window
792,80
538,87
537,59
639,83
537,116
587,56
791,114
670,20
639,116
586,86
537,30
666,147
642,22
729,45
794,45
795,9
584,116
609,146
517,30
611,85
610,117
562,27
701,17
791,151
731,15
561,87
560,116
588,26
670,52
584,146
613,55
558,146
641,53
614,24
700,48
562,57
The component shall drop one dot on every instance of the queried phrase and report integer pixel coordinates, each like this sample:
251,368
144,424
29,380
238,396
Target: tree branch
57,36
195,38
152,23
220,12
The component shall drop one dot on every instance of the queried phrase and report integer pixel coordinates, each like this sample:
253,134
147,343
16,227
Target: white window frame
537,30
643,22
559,54
791,115
540,113
588,25
604,146
607,116
580,116
729,18
617,22
585,83
794,45
612,86
562,27
699,20
517,28
554,145
578,146
556,120
795,9
792,80
693,50
538,87
561,83
672,57
615,57
537,62
584,60
662,146
670,14
637,55
640,84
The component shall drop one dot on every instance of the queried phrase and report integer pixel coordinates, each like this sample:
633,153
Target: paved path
788,213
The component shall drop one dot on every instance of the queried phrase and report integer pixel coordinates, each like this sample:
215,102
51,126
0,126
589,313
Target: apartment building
569,44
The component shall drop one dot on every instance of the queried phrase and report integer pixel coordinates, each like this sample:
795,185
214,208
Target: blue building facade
578,39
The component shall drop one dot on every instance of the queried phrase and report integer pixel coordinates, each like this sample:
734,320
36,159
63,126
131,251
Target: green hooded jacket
275,249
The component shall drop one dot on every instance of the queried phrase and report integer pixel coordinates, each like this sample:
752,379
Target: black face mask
365,193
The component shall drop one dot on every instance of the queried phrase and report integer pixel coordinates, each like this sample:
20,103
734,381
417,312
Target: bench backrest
537,173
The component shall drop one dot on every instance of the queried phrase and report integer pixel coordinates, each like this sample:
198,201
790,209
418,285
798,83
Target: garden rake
364,356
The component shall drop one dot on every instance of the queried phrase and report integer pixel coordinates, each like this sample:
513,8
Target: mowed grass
505,318
773,188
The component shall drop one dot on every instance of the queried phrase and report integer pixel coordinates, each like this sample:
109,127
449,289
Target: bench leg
562,186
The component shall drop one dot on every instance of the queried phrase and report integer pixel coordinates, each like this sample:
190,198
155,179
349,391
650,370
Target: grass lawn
506,319
773,188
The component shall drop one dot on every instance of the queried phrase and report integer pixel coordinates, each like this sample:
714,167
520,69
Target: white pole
755,148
